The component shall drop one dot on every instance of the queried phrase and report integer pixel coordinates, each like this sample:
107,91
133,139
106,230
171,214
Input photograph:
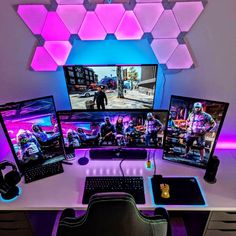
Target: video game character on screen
100,87
107,131
152,127
192,129
114,128
33,131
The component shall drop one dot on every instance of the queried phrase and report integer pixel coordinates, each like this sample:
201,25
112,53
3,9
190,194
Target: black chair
114,214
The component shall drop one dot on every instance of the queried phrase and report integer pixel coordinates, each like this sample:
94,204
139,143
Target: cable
163,90
154,163
121,167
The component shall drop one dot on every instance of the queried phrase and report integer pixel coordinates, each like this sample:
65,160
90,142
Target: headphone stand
12,193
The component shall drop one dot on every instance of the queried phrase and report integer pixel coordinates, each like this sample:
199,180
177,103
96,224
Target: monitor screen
114,128
32,130
111,87
192,130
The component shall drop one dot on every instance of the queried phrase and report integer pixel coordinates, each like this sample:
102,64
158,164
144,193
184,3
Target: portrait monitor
111,86
31,128
192,130
113,128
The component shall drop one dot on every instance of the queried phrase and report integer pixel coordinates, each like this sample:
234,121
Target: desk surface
66,190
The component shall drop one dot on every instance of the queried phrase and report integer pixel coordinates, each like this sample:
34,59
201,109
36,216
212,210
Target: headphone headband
4,164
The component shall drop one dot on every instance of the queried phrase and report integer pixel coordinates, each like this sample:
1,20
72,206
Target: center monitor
111,87
113,129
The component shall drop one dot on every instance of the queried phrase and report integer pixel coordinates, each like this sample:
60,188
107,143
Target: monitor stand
118,153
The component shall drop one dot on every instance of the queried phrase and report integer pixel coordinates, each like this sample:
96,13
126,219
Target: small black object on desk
211,170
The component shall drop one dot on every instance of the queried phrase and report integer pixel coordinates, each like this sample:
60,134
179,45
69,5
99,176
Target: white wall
212,41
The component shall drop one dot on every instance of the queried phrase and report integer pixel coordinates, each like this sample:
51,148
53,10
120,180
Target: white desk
66,190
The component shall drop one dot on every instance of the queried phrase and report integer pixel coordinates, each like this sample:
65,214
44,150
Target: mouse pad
183,191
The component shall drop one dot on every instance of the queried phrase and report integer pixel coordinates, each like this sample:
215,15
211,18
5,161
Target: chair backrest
113,214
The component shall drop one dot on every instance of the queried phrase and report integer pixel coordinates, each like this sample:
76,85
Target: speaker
211,170
115,153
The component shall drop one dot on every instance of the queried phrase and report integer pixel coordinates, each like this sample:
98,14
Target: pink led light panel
54,29
129,27
110,15
148,14
180,59
163,48
34,16
72,16
58,50
70,1
145,1
186,14
166,26
91,28
42,61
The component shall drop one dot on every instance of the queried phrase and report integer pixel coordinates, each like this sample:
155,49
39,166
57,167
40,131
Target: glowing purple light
72,16
54,29
129,27
148,1
148,14
42,61
70,1
110,15
163,48
186,13
166,26
58,50
91,28
226,145
180,59
34,16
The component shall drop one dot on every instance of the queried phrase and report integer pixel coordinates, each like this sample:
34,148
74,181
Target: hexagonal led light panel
165,21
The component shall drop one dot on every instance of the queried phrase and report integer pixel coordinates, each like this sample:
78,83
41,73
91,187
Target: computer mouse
165,190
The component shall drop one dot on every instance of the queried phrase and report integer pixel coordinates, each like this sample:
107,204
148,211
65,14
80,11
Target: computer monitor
118,86
113,129
193,127
31,128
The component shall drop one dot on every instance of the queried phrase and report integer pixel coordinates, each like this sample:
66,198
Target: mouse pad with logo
183,191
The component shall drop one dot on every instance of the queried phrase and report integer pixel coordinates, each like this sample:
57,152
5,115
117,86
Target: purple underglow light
129,27
166,26
106,12
72,16
226,145
163,49
91,28
180,59
148,1
148,14
58,50
34,16
70,1
42,61
54,29
186,13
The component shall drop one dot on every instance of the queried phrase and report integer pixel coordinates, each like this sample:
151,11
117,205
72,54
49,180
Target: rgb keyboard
43,171
131,185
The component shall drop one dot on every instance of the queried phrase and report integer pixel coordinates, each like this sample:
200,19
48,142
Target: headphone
8,183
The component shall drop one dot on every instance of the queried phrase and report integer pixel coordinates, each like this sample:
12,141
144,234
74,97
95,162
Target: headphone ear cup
12,178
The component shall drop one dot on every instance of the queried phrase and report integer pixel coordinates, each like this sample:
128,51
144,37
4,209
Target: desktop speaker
211,170
118,153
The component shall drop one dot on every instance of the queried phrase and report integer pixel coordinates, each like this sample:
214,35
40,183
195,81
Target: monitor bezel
113,110
226,104
8,106
110,65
